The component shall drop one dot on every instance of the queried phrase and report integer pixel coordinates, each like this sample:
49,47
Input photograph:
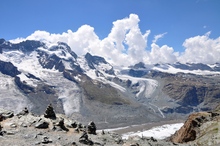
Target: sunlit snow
160,132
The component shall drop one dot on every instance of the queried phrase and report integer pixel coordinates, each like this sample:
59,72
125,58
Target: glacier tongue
146,86
68,92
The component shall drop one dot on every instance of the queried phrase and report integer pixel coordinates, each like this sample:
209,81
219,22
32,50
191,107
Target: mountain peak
2,41
139,65
94,60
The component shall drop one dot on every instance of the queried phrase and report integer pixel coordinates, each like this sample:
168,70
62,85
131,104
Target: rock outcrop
8,68
4,114
201,128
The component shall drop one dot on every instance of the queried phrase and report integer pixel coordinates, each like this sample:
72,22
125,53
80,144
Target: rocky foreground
57,130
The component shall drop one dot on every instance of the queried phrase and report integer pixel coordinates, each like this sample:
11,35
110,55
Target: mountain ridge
90,88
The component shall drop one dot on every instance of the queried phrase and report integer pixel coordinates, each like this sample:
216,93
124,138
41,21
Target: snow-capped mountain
34,74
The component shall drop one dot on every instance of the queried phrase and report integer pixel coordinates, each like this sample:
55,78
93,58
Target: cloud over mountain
201,49
126,44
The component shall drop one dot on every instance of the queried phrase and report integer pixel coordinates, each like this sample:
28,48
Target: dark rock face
50,62
32,76
1,43
139,65
67,48
191,97
25,46
96,60
70,74
8,68
29,45
23,86
137,73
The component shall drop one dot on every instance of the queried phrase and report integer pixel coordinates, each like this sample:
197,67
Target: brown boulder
190,130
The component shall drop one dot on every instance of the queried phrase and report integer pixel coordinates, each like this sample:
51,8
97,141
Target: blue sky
178,20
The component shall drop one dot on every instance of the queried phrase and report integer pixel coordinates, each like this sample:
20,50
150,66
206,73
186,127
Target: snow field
160,132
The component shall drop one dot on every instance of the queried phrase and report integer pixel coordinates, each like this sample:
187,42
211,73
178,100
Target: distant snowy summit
60,56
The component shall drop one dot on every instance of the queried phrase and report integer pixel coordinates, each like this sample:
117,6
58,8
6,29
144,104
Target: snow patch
27,80
160,132
173,70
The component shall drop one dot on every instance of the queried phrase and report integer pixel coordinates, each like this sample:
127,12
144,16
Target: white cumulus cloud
126,44
201,49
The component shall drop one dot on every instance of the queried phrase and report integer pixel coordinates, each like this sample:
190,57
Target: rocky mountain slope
56,129
200,128
51,128
34,74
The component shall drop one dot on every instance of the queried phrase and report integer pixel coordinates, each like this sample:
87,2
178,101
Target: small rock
10,133
103,132
24,125
136,144
46,140
13,125
6,114
74,144
153,139
76,130
74,124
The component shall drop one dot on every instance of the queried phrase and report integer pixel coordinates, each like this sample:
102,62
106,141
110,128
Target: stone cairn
91,128
23,112
61,125
49,113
